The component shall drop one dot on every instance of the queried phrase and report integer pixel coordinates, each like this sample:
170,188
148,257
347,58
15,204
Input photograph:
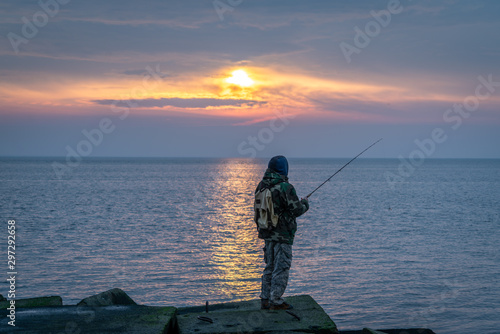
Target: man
279,239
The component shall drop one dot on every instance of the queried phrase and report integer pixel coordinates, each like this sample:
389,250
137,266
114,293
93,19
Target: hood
279,164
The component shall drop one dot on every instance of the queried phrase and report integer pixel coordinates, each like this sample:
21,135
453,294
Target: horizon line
46,157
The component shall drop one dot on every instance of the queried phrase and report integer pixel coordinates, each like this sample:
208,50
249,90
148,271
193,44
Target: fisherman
278,239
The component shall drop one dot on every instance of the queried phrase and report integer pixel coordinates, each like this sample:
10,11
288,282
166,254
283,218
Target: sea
383,245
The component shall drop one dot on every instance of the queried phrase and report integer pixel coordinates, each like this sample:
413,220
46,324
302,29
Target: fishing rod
366,149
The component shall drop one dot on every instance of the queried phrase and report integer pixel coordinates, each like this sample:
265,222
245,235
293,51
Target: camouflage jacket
286,204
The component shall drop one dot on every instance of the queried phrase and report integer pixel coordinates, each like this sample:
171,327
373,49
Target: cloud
143,71
182,103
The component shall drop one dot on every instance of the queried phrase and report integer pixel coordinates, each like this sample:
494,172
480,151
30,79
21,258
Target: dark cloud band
180,103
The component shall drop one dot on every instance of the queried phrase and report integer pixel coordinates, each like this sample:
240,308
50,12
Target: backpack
264,214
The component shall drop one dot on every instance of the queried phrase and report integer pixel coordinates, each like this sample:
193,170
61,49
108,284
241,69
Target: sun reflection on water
235,249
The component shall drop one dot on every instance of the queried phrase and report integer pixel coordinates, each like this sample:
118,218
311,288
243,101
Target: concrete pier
114,312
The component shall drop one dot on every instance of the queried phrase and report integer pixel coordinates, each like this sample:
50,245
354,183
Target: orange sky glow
274,88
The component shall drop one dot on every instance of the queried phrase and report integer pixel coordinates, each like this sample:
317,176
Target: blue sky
155,72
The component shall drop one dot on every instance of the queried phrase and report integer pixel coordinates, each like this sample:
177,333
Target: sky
247,78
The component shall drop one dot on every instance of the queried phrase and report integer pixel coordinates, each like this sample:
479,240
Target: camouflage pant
278,259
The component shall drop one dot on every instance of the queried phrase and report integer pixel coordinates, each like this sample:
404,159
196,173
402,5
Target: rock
33,302
107,298
247,317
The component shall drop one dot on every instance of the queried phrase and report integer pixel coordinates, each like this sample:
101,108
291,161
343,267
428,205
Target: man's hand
305,202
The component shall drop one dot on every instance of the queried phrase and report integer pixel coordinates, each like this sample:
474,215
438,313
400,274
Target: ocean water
180,232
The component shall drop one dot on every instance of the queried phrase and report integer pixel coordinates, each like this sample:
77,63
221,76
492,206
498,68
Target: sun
240,78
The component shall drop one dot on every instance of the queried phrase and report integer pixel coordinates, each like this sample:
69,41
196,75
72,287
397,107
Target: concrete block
136,319
367,330
34,302
393,331
247,317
